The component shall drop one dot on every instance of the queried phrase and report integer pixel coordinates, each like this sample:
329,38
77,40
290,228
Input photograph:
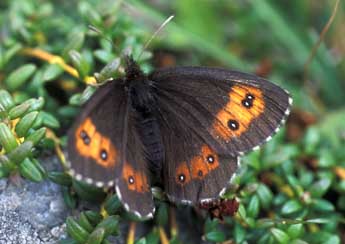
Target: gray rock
31,213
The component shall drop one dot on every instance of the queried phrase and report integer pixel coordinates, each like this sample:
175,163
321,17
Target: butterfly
182,128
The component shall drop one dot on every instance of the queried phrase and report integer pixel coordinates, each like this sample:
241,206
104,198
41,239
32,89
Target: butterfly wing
105,150
233,111
207,118
193,171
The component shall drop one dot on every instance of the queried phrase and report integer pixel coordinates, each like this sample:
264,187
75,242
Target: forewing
233,111
104,149
95,140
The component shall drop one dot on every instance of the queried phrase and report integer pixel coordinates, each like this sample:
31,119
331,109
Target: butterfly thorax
139,87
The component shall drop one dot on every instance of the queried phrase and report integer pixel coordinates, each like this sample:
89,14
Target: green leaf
52,72
104,56
29,170
10,53
311,140
87,93
322,205
215,236
239,233
19,110
242,211
109,71
79,63
110,224
333,240
88,192
85,223
96,236
36,136
320,187
60,178
75,42
141,241
36,104
112,205
292,206
19,76
49,120
3,113
6,165
253,207
265,195
7,139
94,217
211,224
75,100
295,231
21,152
69,199
326,159
6,100
25,124
76,231
279,235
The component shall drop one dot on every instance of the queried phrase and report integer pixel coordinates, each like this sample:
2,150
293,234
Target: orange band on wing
200,166
136,180
92,144
245,104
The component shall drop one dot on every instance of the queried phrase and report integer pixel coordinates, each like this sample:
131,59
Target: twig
173,224
131,233
54,59
318,43
163,236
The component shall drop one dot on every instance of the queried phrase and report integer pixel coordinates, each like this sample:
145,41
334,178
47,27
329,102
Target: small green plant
21,129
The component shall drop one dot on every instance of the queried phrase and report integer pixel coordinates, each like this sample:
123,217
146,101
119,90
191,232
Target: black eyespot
248,101
210,159
182,178
85,137
104,154
233,124
249,96
131,180
200,173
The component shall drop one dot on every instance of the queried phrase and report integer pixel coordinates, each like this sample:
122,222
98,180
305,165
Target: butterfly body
181,128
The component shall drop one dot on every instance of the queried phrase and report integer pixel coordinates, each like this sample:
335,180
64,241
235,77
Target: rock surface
31,212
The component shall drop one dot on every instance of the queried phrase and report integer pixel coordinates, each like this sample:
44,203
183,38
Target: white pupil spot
181,178
250,97
210,159
84,136
104,155
131,180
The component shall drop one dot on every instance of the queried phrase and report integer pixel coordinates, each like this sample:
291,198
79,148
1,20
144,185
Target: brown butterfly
180,128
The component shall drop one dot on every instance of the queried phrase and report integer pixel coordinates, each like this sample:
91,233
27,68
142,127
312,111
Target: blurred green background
291,191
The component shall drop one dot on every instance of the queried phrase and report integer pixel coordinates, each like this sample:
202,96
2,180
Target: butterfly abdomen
151,136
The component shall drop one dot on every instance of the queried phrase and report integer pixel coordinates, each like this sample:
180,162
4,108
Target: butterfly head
132,69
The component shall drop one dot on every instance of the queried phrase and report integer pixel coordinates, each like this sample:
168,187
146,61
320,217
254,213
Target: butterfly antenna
154,35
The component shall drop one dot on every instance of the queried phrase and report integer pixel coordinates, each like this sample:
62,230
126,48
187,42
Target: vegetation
291,191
